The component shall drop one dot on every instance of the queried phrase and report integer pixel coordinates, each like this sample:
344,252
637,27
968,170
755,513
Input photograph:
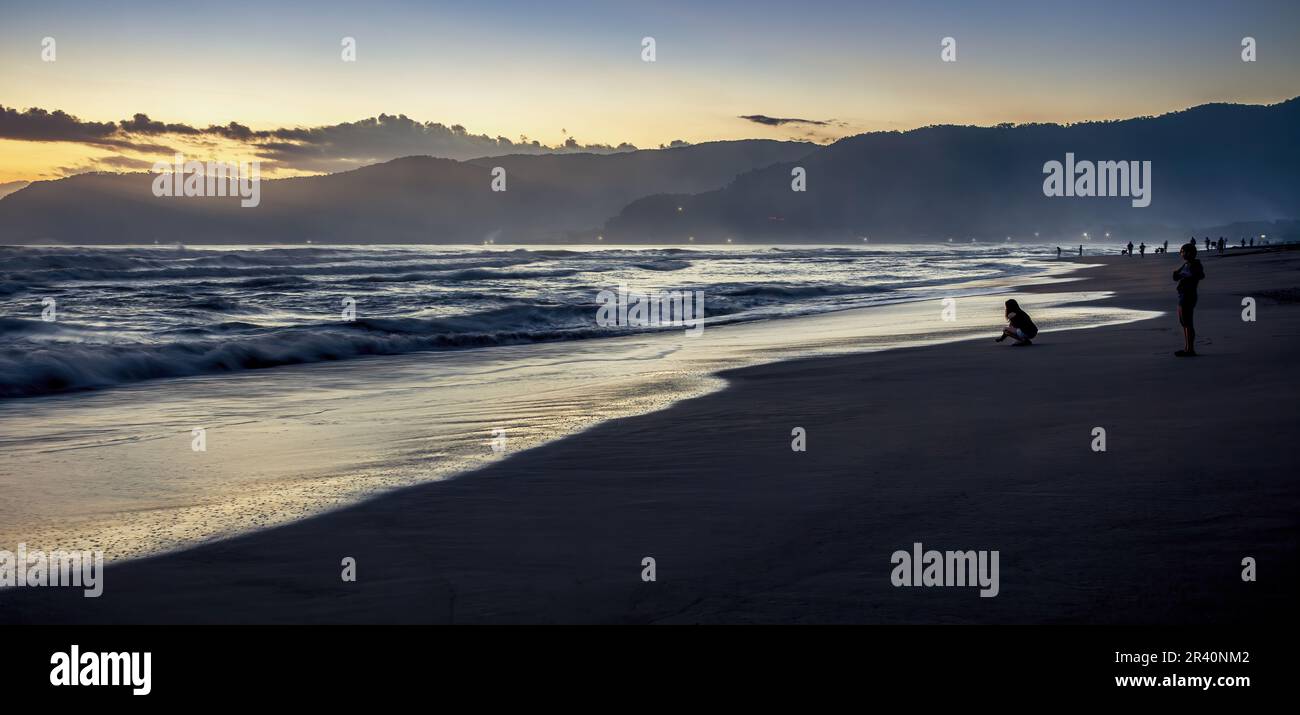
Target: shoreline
744,529
104,379
315,438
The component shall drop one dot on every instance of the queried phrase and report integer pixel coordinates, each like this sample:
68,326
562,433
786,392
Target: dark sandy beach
971,445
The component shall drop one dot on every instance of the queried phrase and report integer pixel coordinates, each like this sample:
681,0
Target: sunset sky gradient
564,70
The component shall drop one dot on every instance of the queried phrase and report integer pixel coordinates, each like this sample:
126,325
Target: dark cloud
325,148
237,132
36,124
39,125
823,131
142,124
782,121
390,136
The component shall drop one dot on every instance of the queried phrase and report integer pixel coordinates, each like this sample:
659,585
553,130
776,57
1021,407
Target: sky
464,79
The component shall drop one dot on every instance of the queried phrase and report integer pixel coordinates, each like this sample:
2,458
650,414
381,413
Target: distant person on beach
1058,251
1166,247
1207,243
1243,243
1222,244
1188,276
1080,249
1019,327
1142,249
1252,241
1130,248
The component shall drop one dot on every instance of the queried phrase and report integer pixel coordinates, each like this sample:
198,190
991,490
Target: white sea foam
132,314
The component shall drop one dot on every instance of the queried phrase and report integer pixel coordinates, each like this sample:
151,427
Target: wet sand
968,445
117,469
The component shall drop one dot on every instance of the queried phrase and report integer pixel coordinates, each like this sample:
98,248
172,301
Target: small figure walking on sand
1080,249
1207,243
1019,327
1188,276
1166,247
1142,249
1130,248
1058,251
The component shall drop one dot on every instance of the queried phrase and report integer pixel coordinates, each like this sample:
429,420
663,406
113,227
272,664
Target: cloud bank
822,131
326,148
782,121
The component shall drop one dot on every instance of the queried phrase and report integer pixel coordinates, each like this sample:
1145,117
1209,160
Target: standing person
1142,249
1130,248
1058,251
1207,243
1252,241
1166,248
1222,244
1189,275
1243,243
1019,327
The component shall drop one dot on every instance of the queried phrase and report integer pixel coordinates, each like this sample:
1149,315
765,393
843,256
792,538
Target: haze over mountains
414,199
1212,165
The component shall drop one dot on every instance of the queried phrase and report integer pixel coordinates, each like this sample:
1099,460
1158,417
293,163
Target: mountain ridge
1213,164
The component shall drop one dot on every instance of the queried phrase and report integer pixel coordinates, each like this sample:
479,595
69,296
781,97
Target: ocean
179,395
123,315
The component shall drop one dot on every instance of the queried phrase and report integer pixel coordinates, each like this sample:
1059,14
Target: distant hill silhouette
413,199
1211,165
